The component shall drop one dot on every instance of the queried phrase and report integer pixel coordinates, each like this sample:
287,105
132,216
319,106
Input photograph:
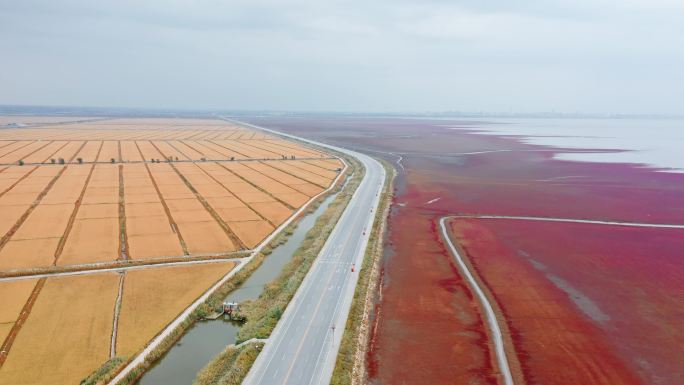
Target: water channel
206,339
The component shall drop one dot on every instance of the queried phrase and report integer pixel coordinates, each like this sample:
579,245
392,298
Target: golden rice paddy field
67,334
77,193
115,189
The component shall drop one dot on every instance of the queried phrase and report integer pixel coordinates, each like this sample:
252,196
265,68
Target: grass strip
263,313
231,366
352,349
213,302
100,375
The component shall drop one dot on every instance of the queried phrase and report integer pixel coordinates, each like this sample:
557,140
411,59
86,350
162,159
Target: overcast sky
614,56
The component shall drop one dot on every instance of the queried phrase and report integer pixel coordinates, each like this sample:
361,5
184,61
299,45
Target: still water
206,339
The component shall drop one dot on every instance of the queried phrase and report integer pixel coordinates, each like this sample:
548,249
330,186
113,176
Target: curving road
303,347
492,322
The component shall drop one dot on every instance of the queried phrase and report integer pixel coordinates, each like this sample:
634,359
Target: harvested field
154,297
66,335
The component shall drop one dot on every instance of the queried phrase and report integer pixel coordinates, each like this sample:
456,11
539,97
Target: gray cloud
590,56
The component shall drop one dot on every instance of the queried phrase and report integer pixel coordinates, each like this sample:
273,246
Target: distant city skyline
586,57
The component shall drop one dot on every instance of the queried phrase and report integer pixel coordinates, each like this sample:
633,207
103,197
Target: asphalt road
303,347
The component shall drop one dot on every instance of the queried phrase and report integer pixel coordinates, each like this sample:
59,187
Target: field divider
30,153
29,210
18,181
21,319
183,142
115,318
119,265
298,177
49,142
28,142
7,144
123,235
72,217
66,143
230,149
270,177
168,143
195,149
77,151
124,373
226,229
302,149
172,223
236,196
312,165
272,151
263,190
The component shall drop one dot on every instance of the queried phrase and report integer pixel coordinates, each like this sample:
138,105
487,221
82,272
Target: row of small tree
152,160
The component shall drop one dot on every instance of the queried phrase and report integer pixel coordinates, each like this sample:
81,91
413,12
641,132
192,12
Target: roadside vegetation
237,358
264,313
101,375
350,359
231,366
214,301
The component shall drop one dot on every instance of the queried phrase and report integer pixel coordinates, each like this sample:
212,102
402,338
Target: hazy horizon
589,57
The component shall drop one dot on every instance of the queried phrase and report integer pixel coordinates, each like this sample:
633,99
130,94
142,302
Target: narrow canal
206,339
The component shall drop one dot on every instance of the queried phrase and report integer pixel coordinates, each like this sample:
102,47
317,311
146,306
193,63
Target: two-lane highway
303,347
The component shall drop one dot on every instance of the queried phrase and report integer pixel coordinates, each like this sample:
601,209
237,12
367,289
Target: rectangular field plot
28,253
102,190
198,228
148,227
14,296
107,190
67,334
154,297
